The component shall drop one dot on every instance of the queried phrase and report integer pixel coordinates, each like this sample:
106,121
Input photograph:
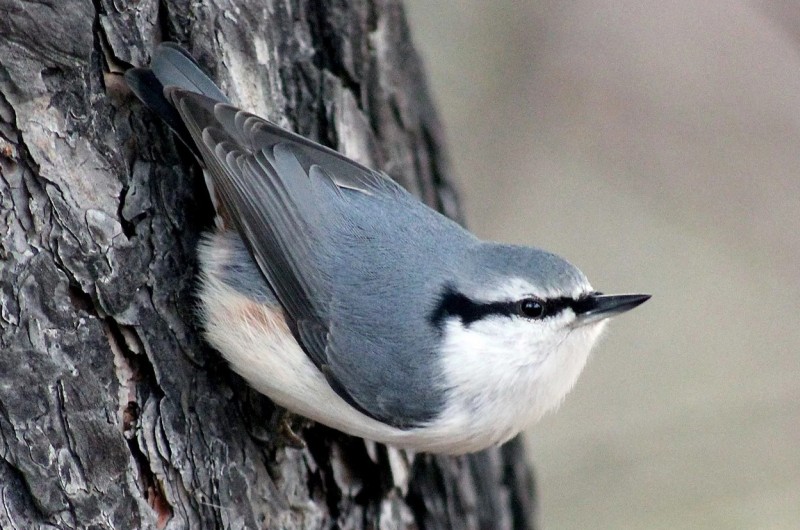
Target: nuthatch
343,298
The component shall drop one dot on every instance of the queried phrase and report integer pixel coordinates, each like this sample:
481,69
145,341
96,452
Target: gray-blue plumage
359,266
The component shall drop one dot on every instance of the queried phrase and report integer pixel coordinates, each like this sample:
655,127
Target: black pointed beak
598,306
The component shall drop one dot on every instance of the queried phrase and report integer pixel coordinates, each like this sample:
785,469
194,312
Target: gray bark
113,412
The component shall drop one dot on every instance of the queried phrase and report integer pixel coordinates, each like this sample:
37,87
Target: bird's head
519,323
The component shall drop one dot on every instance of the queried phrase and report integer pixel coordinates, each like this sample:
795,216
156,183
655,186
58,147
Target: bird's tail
171,66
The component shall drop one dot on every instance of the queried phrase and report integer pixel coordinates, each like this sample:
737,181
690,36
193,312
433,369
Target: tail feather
171,66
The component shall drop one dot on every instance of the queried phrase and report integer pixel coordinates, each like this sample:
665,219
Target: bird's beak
598,306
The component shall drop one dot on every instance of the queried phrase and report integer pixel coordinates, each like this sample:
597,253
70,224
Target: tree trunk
113,412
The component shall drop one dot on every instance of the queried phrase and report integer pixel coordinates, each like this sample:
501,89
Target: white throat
505,373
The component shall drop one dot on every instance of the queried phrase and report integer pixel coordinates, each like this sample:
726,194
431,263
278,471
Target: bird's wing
281,191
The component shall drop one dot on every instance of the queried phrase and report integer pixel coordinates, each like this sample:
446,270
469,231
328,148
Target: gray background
657,146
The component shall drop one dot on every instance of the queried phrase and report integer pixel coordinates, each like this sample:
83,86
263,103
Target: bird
340,296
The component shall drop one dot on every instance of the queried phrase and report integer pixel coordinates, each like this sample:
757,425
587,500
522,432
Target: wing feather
297,206
277,210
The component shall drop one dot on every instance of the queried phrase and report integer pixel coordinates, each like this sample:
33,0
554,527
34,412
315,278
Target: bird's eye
531,308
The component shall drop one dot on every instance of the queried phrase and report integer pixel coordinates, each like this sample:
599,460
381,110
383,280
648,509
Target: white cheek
505,374
559,372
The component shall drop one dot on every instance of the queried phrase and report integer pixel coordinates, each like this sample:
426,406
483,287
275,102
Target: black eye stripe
454,304
553,306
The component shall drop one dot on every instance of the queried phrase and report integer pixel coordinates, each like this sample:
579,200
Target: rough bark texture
113,412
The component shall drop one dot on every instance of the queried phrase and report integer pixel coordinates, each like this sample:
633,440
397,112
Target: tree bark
113,412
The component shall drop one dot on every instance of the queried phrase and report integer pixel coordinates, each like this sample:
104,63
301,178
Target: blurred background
657,146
